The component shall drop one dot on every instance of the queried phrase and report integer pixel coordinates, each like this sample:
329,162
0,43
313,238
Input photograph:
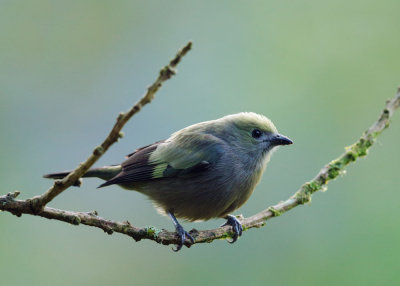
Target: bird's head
254,132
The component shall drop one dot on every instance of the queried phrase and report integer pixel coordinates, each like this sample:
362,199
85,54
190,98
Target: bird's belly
200,197
192,200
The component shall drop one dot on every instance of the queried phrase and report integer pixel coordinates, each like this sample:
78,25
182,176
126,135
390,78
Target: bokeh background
321,70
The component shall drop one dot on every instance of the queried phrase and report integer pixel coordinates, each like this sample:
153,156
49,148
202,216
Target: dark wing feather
144,147
170,160
136,167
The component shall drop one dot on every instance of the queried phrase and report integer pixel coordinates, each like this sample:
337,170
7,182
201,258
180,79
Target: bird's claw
236,227
182,234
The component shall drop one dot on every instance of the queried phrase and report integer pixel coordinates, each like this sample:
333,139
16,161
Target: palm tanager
206,170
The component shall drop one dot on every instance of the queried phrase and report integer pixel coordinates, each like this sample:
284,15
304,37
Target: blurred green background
321,70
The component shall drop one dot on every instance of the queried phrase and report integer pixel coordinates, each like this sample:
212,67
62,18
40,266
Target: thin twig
303,195
37,203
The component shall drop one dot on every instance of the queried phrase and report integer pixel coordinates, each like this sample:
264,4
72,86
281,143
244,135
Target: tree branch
329,172
37,203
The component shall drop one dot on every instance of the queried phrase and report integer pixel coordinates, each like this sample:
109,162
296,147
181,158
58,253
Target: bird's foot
182,234
236,227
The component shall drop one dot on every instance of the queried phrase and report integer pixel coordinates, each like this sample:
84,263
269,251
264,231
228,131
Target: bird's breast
249,177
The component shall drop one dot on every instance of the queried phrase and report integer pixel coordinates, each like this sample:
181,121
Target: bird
203,171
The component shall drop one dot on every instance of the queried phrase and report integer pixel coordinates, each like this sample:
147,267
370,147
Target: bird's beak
279,139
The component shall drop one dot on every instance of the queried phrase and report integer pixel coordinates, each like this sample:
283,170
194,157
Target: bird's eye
256,133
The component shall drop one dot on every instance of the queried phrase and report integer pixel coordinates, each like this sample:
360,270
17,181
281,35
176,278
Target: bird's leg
236,227
182,234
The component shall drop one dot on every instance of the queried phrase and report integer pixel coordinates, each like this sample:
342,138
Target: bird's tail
105,173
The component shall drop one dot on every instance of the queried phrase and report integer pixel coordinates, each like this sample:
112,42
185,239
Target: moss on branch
37,205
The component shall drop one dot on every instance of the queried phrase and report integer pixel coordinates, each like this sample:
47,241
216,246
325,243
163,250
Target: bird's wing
144,147
182,155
